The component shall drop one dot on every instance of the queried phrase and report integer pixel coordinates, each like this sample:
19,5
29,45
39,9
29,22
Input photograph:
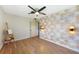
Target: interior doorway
34,28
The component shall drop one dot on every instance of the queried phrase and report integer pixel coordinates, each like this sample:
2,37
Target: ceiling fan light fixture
37,13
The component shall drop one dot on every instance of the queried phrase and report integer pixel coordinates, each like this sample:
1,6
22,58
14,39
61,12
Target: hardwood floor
34,46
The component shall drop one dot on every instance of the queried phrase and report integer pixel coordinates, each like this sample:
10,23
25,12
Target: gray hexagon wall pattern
57,26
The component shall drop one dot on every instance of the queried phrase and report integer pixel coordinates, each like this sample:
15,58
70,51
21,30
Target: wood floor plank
34,45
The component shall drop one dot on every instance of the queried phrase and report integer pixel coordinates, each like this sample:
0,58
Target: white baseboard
24,38
73,49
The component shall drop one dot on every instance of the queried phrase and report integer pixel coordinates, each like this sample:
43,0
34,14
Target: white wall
20,26
2,20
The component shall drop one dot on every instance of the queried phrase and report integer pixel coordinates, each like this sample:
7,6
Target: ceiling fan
37,12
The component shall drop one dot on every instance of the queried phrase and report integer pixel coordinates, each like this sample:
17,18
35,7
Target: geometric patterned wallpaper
57,27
